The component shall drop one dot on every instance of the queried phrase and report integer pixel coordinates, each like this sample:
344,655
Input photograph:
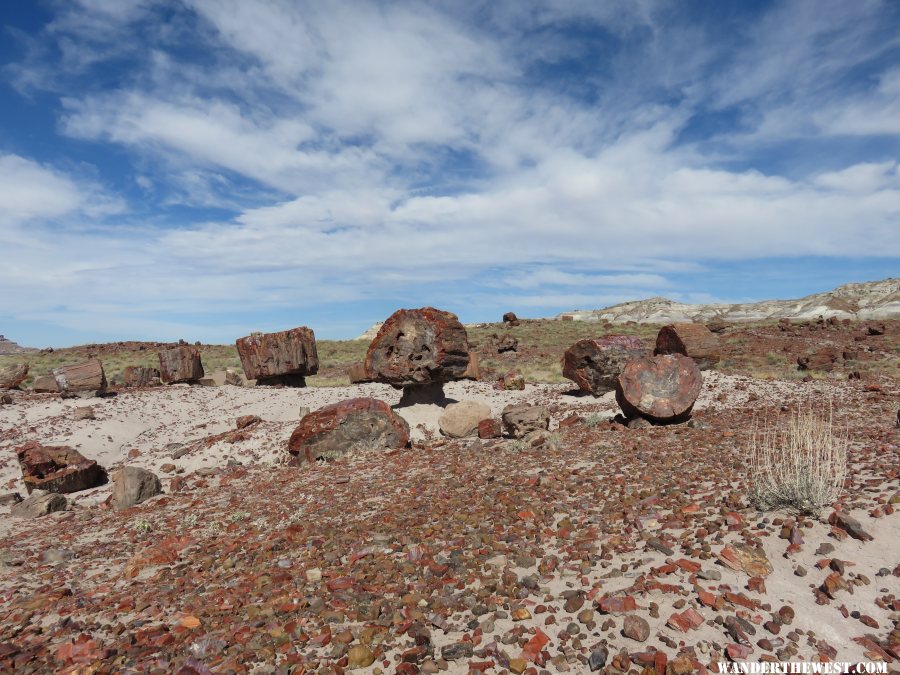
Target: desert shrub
800,465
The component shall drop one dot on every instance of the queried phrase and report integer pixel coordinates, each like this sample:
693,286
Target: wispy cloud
296,157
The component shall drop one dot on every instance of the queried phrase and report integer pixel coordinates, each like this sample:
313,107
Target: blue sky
201,169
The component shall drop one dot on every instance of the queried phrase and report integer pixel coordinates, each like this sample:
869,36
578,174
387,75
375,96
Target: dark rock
597,659
821,359
507,343
140,376
458,650
58,468
348,426
595,364
850,525
511,318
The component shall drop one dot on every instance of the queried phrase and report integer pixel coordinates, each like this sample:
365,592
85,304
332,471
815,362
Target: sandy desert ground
589,544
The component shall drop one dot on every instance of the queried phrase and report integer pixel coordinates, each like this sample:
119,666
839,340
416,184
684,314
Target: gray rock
520,420
39,503
133,485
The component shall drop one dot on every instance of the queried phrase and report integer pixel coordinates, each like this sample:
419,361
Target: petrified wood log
140,376
45,384
345,427
689,339
279,358
661,389
58,468
418,346
13,375
180,364
81,377
594,364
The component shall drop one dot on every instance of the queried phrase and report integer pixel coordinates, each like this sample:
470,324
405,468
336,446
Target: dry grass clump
800,465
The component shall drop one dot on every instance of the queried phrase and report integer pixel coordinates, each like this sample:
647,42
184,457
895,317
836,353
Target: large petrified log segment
345,427
13,375
180,364
418,346
140,376
661,389
285,357
58,468
594,364
81,377
689,339
45,384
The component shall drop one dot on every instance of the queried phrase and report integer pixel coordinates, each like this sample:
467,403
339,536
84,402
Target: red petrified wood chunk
689,339
617,604
285,357
58,468
348,426
418,346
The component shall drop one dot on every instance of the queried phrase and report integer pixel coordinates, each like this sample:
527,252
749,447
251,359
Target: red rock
418,346
737,652
693,340
849,524
532,649
595,364
636,628
348,426
58,468
659,388
686,620
756,584
247,421
688,566
490,428
13,375
821,359
286,357
180,364
617,604
833,583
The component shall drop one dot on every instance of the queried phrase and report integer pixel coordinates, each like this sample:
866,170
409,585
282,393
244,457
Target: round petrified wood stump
594,364
661,389
418,346
345,427
689,339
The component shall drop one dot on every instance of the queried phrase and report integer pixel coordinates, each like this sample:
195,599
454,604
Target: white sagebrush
800,465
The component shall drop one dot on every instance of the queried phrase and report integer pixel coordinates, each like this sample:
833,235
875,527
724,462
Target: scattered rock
595,364
133,485
286,357
180,364
490,428
521,419
247,421
84,413
662,389
348,426
58,468
507,343
39,503
511,381
460,420
849,524
636,628
6,399
821,359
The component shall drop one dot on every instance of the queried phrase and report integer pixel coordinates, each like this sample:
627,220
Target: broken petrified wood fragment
418,347
689,339
661,389
140,376
345,427
81,377
58,468
180,364
594,364
13,375
286,357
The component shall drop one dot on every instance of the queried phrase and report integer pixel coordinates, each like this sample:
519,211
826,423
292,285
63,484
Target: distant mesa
870,300
8,347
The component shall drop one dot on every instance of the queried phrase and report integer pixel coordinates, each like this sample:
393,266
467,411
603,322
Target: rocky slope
871,300
10,347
